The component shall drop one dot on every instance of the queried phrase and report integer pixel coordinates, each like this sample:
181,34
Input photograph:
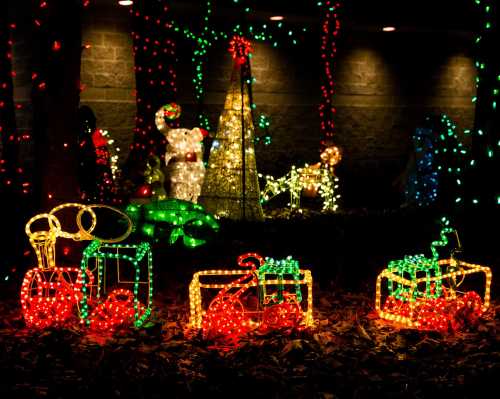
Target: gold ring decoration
86,234
80,234
54,225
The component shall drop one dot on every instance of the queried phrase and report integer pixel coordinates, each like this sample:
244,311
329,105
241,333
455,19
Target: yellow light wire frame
465,269
44,242
85,234
195,296
79,235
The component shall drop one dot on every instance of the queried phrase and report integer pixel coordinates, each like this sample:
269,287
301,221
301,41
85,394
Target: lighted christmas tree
231,187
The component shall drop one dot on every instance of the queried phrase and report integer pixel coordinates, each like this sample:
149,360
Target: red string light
117,310
329,33
49,298
439,314
227,320
12,175
155,58
240,48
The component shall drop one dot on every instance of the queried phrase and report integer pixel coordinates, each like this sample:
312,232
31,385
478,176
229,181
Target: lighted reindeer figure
421,296
310,179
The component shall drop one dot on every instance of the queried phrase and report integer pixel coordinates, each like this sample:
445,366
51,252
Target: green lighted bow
175,218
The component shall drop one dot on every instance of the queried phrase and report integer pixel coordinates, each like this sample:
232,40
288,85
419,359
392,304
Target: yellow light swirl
79,234
86,234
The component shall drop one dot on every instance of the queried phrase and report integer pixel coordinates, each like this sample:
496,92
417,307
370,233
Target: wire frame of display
98,299
431,311
255,316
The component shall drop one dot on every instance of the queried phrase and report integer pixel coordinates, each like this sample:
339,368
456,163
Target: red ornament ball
191,157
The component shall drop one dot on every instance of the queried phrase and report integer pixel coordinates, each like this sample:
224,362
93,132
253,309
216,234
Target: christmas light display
113,153
51,297
107,166
231,187
485,135
309,180
155,61
423,292
50,294
184,159
240,49
440,162
329,35
155,178
422,183
232,313
265,136
13,178
170,111
172,219
98,158
206,37
105,310
278,269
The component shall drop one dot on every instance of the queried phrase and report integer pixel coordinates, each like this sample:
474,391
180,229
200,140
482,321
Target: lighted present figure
424,293
236,309
123,289
279,270
310,181
413,267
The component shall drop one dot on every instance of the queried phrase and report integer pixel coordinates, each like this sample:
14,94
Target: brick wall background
107,72
386,85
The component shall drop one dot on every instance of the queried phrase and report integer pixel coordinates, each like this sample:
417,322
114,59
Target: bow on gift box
175,218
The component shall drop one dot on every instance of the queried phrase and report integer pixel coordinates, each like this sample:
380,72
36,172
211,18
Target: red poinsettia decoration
240,48
98,139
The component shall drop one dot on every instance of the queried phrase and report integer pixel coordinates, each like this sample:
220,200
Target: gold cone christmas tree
231,187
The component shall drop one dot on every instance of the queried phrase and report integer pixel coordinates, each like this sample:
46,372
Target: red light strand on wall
12,174
329,33
155,56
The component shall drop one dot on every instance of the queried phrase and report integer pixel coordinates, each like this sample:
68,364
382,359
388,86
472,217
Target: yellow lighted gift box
466,269
195,295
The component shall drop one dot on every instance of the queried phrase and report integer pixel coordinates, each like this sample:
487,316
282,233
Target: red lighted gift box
268,295
431,294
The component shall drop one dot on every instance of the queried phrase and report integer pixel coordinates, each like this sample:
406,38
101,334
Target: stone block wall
386,86
107,72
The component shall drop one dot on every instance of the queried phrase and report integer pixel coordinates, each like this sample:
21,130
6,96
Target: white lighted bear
184,160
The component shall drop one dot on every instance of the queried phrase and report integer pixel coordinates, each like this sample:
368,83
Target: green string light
100,253
413,266
206,39
173,218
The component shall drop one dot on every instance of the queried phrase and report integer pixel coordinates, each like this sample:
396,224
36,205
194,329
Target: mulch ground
351,353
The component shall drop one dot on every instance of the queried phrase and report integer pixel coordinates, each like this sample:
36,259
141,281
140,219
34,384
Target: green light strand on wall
209,36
